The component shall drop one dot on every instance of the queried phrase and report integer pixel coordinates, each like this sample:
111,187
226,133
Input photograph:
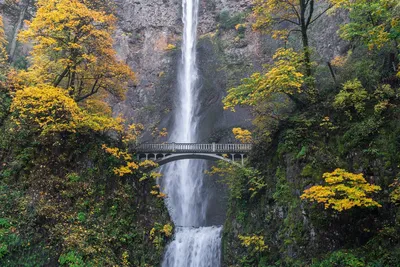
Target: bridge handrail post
173,147
213,146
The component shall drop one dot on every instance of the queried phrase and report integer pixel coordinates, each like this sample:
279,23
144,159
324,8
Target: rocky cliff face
149,37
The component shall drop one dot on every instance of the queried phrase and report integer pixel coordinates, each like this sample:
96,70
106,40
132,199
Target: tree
374,23
343,191
283,17
284,76
73,49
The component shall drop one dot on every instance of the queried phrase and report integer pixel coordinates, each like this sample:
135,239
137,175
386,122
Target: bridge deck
194,148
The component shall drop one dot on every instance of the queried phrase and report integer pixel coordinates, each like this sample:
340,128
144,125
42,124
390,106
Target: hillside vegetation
322,185
70,192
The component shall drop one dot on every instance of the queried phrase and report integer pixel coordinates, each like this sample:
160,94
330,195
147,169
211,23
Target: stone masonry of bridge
168,152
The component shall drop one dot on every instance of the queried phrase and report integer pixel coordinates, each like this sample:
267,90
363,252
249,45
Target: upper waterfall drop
185,122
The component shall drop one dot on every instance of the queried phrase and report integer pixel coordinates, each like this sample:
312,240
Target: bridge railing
194,148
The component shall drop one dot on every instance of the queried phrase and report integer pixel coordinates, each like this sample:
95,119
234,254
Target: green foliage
341,259
360,133
384,95
71,259
228,21
351,98
73,177
5,102
283,194
374,23
72,210
242,182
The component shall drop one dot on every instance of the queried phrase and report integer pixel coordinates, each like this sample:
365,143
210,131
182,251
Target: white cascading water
194,244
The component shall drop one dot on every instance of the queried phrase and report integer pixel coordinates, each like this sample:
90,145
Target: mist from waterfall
194,244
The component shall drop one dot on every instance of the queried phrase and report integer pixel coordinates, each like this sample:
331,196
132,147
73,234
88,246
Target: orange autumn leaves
343,191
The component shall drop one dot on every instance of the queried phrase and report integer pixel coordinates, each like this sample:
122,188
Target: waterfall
195,244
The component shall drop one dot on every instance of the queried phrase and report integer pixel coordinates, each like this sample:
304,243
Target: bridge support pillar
147,156
233,157
155,157
242,159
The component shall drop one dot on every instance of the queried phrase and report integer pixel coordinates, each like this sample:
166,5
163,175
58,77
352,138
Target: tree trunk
307,54
304,35
332,72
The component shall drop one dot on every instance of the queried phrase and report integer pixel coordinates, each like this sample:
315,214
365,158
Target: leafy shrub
343,191
351,98
47,109
71,259
341,259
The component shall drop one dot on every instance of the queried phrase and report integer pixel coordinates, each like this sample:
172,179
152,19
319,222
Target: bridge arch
176,157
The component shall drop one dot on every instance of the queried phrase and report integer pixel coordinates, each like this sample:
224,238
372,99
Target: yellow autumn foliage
242,135
73,49
255,242
160,232
47,109
129,167
343,191
170,47
167,229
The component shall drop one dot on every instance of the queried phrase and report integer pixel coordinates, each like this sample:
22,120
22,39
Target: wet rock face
146,29
148,39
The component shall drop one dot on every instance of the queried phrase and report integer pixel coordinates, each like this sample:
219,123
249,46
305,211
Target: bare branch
321,14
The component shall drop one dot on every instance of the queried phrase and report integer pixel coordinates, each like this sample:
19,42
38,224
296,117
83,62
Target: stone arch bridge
168,152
